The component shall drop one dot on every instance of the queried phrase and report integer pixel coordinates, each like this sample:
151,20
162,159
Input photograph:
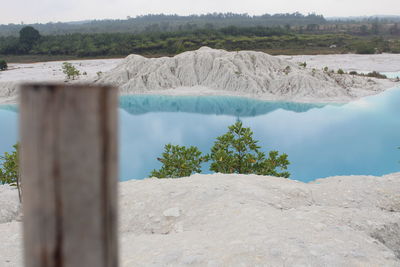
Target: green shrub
3,65
304,64
9,169
376,74
287,70
237,152
179,161
340,71
353,72
363,48
70,71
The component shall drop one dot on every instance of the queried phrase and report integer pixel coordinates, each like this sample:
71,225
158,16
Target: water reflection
357,138
212,105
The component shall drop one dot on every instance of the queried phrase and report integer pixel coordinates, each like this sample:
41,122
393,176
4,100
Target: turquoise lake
321,140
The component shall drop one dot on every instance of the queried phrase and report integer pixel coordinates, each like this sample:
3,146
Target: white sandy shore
245,220
51,71
350,62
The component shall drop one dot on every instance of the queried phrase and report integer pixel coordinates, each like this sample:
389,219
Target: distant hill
168,23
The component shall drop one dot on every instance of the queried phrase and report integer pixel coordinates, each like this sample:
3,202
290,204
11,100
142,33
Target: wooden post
69,175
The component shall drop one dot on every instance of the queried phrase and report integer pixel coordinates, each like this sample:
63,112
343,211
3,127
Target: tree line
167,23
31,42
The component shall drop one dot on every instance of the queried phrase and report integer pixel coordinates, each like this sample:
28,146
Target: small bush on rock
70,71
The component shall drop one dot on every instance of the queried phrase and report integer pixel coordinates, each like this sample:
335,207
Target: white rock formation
216,72
8,92
248,73
248,220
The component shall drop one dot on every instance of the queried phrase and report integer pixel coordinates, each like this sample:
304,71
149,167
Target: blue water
321,140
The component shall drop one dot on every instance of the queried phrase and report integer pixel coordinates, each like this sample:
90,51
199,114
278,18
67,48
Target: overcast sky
32,11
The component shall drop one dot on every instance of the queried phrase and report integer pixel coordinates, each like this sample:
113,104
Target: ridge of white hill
249,73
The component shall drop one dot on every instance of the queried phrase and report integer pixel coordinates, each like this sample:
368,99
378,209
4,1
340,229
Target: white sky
32,11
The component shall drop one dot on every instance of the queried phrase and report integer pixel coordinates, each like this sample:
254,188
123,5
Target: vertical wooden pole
69,175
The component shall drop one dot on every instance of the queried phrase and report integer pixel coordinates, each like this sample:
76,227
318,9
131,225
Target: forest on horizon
159,35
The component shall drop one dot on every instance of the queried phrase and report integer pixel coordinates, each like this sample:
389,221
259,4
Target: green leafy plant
304,64
377,75
70,71
3,64
179,161
237,152
9,168
340,71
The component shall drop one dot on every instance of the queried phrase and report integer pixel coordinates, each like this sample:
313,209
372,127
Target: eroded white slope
249,73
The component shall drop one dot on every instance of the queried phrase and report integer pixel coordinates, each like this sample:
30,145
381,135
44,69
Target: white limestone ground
247,220
243,73
213,72
350,62
47,71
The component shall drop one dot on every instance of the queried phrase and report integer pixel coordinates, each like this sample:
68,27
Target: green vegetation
363,48
304,64
70,71
9,170
234,152
28,37
179,161
237,152
170,23
287,70
160,35
376,74
3,64
340,71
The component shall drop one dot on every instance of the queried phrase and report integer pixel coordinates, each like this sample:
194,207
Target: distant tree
3,64
28,37
237,152
179,161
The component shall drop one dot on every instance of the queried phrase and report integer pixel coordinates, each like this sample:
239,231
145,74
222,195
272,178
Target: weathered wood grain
69,175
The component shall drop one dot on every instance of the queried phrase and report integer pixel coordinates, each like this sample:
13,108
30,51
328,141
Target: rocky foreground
246,220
